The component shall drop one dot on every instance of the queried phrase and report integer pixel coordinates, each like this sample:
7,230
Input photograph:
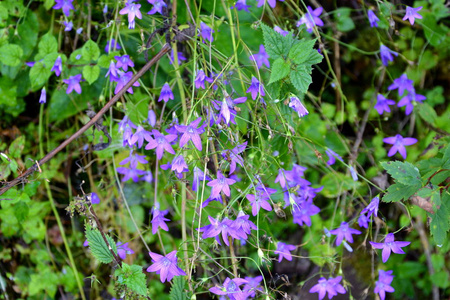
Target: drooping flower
178,164
199,80
65,5
57,67
297,106
133,11
231,289
372,208
74,84
253,284
198,176
166,93
353,173
122,81
386,55
139,136
134,159
243,224
344,232
272,3
151,119
399,144
373,19
331,286
123,250
191,133
284,251
165,266
332,156
412,14
390,245
113,72
261,57
220,184
130,173
382,104
255,88
402,83
161,143
241,5
158,6
383,284
95,199
80,30
43,98
113,44
408,101
233,156
206,32
158,219
281,31
124,62
68,26
363,220
311,18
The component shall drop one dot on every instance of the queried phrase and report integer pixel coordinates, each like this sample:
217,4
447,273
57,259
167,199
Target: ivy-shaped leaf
98,246
91,73
11,55
398,192
90,51
403,172
132,277
47,45
280,69
177,290
39,74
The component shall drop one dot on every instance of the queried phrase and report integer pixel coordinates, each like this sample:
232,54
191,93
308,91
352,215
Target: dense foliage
267,149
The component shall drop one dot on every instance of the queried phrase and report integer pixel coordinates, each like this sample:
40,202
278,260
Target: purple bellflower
225,228
158,6
412,14
65,5
124,62
227,109
74,84
191,132
272,3
123,250
390,245
139,136
151,119
133,160
373,19
161,143
165,266
399,144
261,57
220,184
332,156
281,31
178,164
181,57
253,284
231,289
311,18
233,156
402,83
344,232
198,176
243,224
260,198
382,104
241,5
206,32
297,106
372,208
363,220
68,26
147,177
95,199
131,173
255,88
123,80
113,44
158,219
386,55
284,251
132,9
383,284
57,67
330,286
43,98
199,80
113,72
303,211
166,93
408,101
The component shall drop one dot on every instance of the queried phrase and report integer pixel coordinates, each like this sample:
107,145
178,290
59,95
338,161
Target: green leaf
276,45
98,247
398,191
301,78
440,224
344,21
21,210
133,277
274,89
336,184
11,55
314,58
47,45
39,75
90,73
280,69
300,52
104,61
90,51
8,92
16,147
403,172
427,113
177,290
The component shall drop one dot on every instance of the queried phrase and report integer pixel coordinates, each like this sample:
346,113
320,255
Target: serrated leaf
47,45
446,157
301,78
177,290
300,52
276,45
439,225
398,192
11,55
90,73
133,277
274,89
403,172
280,69
314,58
90,51
98,247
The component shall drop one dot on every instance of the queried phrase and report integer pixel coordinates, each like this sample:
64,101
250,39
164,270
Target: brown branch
77,134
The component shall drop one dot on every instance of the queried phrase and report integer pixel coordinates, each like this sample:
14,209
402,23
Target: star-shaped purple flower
311,18
133,11
178,164
161,143
113,44
386,54
331,286
165,266
130,173
166,93
123,80
284,251
344,232
255,88
399,144
220,184
402,83
158,219
139,136
231,289
57,67
390,245
206,32
191,133
242,5
158,6
123,250
124,62
412,14
199,80
383,284
302,212
373,19
133,160
382,104
408,101
74,84
261,57
65,5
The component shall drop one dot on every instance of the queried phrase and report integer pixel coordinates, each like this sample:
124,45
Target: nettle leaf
301,51
301,78
274,89
39,75
314,58
133,277
280,69
403,172
276,45
47,45
98,246
11,54
398,192
90,51
177,290
90,73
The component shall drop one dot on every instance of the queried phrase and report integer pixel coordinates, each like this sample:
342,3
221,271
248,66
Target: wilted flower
386,54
